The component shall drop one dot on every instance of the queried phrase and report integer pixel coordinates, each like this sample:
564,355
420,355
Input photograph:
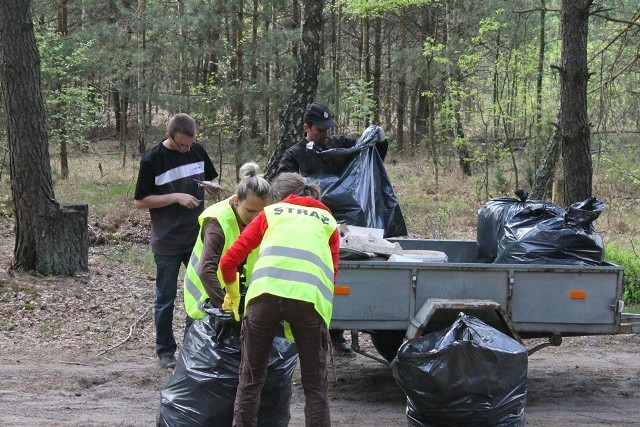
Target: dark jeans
167,270
259,326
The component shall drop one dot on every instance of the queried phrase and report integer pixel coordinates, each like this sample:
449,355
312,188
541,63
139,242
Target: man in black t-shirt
167,187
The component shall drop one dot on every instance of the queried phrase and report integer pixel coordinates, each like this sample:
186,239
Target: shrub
631,262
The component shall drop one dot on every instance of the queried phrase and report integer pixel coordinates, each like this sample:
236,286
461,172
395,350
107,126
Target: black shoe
341,346
167,362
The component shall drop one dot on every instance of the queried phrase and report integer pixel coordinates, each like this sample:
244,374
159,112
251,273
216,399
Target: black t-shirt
162,171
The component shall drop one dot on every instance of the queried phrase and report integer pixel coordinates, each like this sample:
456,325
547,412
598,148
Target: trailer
393,301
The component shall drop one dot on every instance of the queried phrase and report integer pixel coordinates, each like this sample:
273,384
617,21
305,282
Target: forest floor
78,351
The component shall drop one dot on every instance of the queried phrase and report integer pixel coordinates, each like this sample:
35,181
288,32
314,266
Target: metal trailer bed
390,300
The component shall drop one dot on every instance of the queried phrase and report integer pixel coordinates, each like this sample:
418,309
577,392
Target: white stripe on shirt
180,172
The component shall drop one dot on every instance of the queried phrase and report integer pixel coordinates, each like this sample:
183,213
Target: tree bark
402,94
239,84
49,239
545,174
304,85
539,74
574,121
377,68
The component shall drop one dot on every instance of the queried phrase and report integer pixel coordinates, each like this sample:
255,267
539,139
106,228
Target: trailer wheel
387,343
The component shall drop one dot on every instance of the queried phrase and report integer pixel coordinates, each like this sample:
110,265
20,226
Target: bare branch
618,20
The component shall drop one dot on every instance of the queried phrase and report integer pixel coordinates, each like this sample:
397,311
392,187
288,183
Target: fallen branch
75,363
130,332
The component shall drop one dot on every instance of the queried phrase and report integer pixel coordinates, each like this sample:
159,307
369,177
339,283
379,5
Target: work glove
381,135
231,302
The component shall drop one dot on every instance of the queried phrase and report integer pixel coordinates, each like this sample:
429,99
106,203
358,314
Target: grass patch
27,306
632,308
6,325
49,328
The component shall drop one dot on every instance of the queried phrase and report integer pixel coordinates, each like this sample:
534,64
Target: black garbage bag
540,236
493,216
362,194
468,375
202,388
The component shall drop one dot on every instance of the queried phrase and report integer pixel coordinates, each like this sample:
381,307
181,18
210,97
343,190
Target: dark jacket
298,158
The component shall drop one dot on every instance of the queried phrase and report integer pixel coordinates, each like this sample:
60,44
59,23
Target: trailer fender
440,313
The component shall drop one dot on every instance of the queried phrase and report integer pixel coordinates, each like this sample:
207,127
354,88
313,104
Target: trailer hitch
554,340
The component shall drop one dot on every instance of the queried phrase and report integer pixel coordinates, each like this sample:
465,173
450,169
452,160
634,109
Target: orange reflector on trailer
341,290
577,294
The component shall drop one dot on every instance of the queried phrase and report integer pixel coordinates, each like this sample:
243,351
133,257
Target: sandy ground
79,352
586,382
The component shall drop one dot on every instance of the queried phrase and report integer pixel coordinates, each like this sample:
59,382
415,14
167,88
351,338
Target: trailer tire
387,343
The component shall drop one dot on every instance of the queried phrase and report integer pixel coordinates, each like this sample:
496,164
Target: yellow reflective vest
194,292
295,258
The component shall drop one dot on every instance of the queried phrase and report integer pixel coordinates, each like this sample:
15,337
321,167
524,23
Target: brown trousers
259,326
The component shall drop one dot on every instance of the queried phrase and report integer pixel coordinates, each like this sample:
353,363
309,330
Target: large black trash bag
202,388
538,236
468,375
493,216
362,194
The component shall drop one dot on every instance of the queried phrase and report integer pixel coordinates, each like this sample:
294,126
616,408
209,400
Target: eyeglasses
183,146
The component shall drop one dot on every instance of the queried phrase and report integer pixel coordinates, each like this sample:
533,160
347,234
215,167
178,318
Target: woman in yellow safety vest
292,280
220,226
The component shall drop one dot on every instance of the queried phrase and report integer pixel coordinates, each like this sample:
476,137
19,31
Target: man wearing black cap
318,122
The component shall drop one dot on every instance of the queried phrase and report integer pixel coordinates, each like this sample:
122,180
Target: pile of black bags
521,231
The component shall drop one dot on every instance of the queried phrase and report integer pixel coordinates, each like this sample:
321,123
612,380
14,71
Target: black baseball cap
318,114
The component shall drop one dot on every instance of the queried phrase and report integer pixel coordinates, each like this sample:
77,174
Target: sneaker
167,362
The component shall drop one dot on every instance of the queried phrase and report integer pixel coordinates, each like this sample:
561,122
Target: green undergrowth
631,263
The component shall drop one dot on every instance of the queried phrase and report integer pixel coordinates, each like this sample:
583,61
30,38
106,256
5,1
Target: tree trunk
253,113
62,28
545,174
304,85
402,94
239,84
142,85
574,121
49,239
337,57
539,75
377,68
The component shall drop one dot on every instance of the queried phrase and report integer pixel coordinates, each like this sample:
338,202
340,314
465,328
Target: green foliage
378,7
72,106
357,99
620,155
615,254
